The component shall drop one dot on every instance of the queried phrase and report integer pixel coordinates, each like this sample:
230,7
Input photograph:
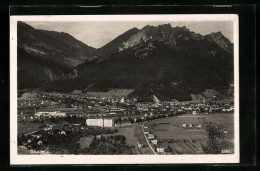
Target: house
140,145
154,141
146,132
38,136
194,112
112,113
160,149
47,128
199,126
184,125
39,142
62,133
190,125
150,136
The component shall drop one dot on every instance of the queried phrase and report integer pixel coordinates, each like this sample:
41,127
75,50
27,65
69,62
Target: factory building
106,122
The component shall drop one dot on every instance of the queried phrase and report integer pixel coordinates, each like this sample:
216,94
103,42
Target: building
122,100
146,132
140,145
54,114
154,141
156,100
160,149
95,122
107,122
150,136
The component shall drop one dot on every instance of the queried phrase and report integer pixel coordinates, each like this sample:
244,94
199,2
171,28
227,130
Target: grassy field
129,133
188,139
22,151
85,142
134,134
24,128
112,93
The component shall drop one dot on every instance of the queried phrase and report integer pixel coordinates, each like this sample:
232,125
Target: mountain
44,56
221,40
164,61
115,45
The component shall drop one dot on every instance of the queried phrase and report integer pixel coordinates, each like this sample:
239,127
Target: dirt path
148,141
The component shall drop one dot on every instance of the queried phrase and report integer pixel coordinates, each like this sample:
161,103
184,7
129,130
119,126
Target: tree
215,143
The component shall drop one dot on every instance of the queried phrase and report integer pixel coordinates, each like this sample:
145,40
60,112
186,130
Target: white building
160,150
107,122
156,100
154,141
122,100
95,122
150,136
56,113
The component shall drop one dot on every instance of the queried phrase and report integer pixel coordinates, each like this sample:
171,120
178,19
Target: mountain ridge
172,61
58,53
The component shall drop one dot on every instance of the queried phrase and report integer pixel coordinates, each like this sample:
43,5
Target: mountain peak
23,25
147,27
221,40
216,34
165,25
185,28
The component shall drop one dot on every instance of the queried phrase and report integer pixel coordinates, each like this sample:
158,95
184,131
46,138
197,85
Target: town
91,123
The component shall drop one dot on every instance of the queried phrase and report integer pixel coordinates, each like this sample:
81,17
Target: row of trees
148,118
109,145
57,143
215,142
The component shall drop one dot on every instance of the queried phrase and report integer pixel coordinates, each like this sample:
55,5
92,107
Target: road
148,141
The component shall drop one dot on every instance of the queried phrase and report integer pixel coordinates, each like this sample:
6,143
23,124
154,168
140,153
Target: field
187,140
22,151
28,95
134,134
25,128
112,93
85,142
183,140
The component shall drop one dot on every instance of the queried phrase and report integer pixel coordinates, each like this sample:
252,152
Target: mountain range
165,61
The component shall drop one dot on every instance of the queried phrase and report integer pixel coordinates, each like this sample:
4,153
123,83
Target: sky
98,33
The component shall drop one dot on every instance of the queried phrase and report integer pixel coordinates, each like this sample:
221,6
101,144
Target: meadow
134,134
25,128
187,140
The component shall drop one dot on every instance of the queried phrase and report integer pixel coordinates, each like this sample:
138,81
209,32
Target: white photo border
47,159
